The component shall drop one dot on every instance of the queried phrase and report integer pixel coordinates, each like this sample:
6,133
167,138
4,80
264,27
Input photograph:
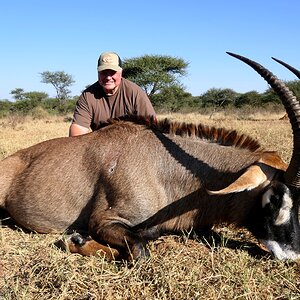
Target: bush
39,113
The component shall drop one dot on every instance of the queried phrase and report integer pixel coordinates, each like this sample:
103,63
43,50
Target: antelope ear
253,177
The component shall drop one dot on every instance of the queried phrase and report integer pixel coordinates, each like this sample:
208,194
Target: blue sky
65,35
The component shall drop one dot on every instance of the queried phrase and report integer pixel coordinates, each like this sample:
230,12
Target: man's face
110,80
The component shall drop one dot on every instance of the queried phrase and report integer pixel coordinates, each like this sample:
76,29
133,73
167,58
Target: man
111,96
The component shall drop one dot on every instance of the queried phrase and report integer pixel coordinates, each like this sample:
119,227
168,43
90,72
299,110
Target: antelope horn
292,107
292,69
251,179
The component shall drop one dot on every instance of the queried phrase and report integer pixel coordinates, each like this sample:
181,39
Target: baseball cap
109,60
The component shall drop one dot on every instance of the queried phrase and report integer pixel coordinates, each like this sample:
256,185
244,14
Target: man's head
109,72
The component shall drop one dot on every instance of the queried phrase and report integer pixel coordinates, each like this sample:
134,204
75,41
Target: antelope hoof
86,246
78,239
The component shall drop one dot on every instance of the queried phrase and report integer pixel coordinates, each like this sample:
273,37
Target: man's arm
75,130
81,120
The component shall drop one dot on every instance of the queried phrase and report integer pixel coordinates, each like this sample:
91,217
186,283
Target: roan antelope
134,180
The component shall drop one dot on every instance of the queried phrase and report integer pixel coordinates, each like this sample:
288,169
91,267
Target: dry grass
17,132
230,265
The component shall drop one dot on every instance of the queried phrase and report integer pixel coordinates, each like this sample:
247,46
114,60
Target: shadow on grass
212,239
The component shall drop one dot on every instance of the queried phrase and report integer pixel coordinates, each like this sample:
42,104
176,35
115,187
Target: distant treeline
171,99
176,100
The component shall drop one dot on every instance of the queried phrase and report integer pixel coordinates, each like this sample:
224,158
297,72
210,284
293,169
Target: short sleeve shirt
94,107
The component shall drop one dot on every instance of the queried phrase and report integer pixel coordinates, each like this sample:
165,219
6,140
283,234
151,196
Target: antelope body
135,179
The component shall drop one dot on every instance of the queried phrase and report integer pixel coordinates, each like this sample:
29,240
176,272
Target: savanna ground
229,265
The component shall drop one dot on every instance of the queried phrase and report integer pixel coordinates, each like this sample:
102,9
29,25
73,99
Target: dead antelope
132,181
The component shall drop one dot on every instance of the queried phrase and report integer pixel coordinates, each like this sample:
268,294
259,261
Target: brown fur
130,181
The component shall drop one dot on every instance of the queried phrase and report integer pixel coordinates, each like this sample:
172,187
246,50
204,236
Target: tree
26,101
18,94
218,97
61,81
154,72
173,98
252,98
36,97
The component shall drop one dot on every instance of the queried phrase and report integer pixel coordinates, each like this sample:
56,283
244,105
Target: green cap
109,60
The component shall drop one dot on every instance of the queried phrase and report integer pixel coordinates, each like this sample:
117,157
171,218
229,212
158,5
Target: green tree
252,98
154,72
26,101
23,107
218,98
18,94
172,98
61,81
36,97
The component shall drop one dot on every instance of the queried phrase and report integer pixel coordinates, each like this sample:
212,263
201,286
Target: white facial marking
266,197
280,251
285,211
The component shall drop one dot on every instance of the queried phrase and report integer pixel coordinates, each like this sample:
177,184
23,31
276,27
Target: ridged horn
292,69
292,107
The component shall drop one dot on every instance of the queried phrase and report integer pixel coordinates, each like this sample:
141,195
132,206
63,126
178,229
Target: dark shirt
94,107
